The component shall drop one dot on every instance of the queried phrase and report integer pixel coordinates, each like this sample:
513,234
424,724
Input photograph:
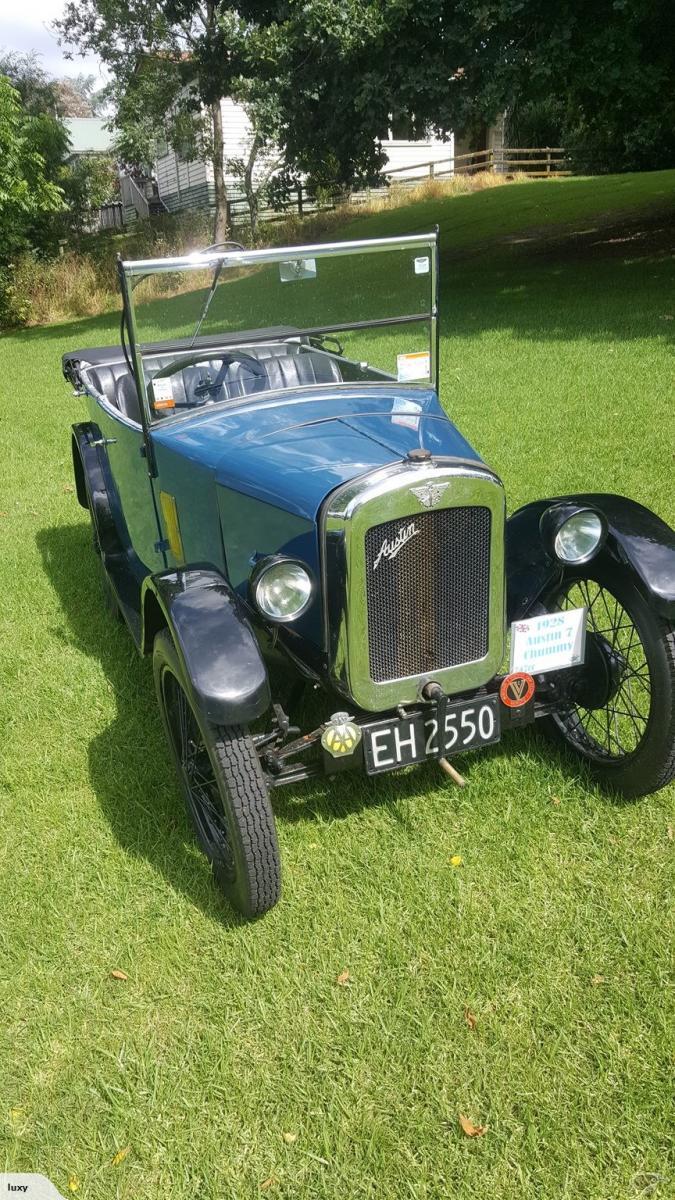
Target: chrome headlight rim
553,523
262,568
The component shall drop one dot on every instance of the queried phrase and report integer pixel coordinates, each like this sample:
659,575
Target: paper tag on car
422,265
549,642
413,366
297,268
162,391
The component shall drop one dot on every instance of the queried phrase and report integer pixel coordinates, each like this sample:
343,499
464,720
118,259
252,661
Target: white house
183,185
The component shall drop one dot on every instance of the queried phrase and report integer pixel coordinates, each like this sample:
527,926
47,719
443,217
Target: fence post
431,170
548,161
299,199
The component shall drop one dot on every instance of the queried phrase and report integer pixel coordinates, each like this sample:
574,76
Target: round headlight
579,537
282,590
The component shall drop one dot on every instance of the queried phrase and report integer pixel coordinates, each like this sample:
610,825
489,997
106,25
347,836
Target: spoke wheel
613,728
224,788
620,715
198,776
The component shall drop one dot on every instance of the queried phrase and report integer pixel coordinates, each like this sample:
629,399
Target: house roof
88,135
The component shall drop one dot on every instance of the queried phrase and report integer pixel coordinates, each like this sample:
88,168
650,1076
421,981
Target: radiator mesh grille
428,600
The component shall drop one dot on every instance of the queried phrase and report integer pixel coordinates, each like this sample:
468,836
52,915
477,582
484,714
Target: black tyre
225,791
621,712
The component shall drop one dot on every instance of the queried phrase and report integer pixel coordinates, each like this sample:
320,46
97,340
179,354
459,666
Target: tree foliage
70,188
27,194
343,68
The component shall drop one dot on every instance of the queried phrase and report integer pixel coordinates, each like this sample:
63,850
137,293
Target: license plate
401,741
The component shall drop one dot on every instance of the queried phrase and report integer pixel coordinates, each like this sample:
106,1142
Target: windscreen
234,323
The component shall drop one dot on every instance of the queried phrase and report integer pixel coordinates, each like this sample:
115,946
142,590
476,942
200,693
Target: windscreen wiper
214,283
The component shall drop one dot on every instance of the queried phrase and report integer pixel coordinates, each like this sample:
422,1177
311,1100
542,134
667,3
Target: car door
130,487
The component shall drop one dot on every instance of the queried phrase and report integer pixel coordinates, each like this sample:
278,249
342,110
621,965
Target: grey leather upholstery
283,370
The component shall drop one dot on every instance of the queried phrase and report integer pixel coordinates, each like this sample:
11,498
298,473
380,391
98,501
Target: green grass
557,364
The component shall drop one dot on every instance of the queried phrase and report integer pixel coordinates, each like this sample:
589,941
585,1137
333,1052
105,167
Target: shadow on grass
129,766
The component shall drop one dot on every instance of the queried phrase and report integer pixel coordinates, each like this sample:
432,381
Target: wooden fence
540,162
505,160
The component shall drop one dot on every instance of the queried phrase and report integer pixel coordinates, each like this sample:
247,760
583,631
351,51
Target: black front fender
637,539
223,665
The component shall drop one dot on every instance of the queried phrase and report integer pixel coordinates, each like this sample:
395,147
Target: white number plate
549,642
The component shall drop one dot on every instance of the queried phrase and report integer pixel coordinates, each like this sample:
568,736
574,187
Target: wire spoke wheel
224,787
617,728
198,776
619,709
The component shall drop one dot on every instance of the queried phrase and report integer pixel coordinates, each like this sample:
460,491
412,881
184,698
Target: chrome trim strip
278,254
370,500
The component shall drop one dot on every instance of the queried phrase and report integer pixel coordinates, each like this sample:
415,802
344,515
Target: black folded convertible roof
101,355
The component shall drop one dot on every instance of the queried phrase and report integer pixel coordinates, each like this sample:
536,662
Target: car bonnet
291,452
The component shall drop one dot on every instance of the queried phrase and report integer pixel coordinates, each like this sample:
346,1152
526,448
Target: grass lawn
230,1062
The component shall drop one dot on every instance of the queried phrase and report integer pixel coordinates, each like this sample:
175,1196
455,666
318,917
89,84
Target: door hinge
162,547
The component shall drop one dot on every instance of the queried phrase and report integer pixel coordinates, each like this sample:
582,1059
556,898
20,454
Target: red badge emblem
517,689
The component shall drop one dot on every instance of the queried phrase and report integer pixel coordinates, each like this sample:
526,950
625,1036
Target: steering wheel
226,360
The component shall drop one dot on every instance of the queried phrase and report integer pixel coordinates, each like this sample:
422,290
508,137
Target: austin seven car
281,507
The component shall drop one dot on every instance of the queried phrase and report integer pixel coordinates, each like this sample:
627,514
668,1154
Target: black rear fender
90,485
218,649
637,539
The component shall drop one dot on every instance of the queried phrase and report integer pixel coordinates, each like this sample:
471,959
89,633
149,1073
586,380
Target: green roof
88,135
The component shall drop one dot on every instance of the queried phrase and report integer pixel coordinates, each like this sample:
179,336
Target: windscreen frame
132,269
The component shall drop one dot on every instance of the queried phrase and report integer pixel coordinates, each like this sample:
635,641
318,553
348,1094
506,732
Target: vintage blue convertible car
295,492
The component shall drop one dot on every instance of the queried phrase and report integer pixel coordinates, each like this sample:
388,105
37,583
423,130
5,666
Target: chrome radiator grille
428,601
413,576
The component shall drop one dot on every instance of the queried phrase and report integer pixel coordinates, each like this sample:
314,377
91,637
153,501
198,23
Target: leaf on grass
16,1114
671,833
68,487
289,1138
470,1129
268,1183
343,979
597,980
120,1156
456,860
117,974
73,1183
470,1019
555,800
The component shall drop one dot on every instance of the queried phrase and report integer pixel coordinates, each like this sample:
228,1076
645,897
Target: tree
26,194
29,78
171,64
344,66
78,96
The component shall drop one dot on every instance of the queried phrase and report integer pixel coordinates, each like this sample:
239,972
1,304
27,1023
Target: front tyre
621,711
225,792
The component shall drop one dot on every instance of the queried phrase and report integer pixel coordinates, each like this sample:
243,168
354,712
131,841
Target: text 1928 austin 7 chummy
269,473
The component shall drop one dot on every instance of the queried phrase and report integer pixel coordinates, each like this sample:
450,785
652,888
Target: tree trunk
221,222
249,186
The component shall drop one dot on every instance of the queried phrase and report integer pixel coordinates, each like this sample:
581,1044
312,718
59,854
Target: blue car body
232,471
